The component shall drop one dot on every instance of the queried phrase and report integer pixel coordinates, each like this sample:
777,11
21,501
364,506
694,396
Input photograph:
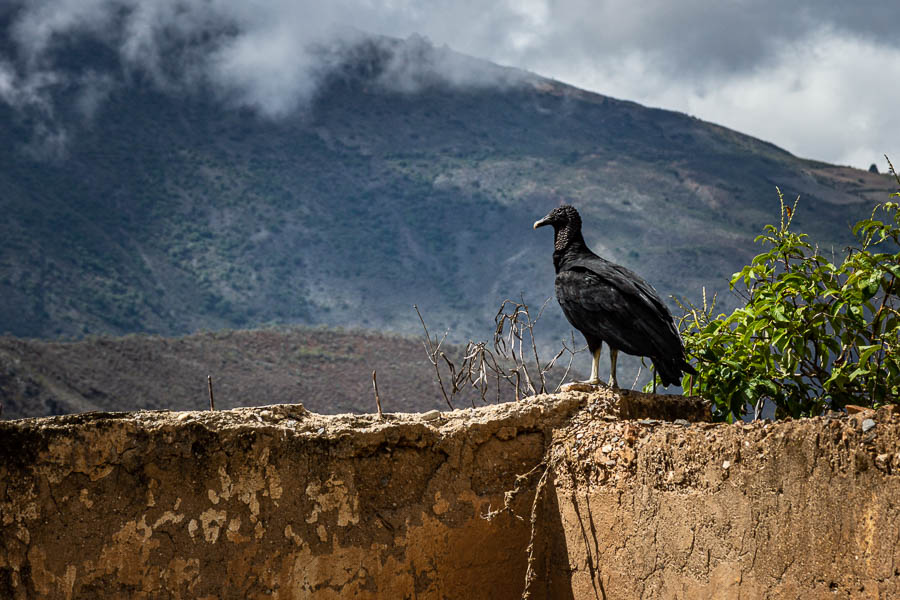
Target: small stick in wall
377,398
212,404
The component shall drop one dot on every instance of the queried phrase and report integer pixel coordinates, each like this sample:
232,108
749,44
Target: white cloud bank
818,78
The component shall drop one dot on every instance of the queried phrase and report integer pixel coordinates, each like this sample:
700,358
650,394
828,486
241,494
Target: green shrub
813,334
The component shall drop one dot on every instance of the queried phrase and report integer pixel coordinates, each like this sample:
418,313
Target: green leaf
856,373
867,351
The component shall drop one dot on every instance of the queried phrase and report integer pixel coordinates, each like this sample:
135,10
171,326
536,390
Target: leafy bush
813,334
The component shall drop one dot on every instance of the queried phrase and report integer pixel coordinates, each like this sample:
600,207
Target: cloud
816,77
27,91
93,90
265,69
828,93
269,56
835,98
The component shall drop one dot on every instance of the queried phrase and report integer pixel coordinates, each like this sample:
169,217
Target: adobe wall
277,502
266,502
797,509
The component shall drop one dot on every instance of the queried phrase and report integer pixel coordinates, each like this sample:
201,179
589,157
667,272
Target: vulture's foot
582,386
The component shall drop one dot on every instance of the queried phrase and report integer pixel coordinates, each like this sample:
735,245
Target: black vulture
608,303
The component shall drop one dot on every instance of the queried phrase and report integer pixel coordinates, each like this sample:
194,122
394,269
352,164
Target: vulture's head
561,217
566,227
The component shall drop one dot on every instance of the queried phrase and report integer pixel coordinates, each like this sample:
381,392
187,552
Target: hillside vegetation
168,212
328,371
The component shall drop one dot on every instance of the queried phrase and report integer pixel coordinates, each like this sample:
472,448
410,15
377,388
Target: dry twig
212,404
377,399
506,360
433,351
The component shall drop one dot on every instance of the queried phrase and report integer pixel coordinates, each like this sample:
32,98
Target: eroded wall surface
276,502
272,502
798,509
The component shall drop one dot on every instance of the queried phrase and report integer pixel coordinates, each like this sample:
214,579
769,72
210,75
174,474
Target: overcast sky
818,78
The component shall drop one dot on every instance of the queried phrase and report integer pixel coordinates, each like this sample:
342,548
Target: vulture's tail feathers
671,368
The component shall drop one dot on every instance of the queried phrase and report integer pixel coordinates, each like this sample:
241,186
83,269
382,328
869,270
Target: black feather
608,303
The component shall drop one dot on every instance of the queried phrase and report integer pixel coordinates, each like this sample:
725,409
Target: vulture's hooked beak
542,222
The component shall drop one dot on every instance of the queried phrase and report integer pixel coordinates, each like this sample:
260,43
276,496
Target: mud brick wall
277,502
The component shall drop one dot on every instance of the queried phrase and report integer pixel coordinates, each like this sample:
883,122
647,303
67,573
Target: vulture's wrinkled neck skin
567,243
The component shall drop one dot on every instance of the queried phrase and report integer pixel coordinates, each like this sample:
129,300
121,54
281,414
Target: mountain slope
328,371
171,211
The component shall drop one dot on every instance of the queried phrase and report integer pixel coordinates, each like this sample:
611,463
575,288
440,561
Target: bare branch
432,352
377,398
212,404
482,366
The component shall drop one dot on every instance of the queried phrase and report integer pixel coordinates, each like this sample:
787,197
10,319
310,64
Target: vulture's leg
595,362
613,356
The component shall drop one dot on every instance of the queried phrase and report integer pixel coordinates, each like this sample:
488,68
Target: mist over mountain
164,175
